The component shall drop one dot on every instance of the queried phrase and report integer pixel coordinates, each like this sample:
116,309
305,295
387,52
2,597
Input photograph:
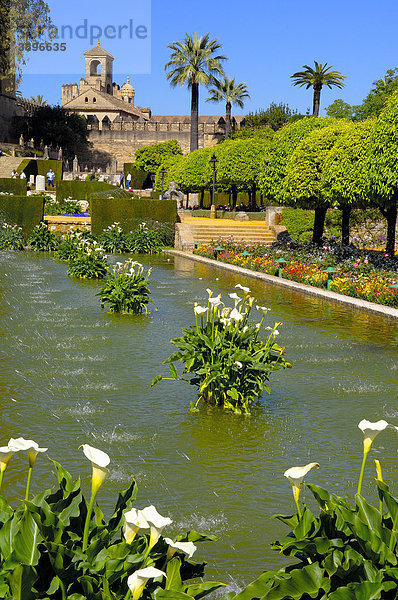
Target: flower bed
354,275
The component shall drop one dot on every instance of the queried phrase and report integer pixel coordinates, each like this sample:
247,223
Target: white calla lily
245,290
134,521
5,455
137,581
156,521
370,431
209,291
200,310
30,446
236,315
99,460
238,364
296,476
263,309
187,548
235,297
216,301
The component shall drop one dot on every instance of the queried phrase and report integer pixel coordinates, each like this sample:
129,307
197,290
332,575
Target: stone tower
99,69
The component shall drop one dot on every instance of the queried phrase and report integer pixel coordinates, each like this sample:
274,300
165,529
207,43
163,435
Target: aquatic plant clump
146,240
114,240
58,546
11,237
126,290
89,262
230,364
348,552
42,239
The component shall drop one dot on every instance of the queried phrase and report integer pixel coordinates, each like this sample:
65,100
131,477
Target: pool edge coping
379,309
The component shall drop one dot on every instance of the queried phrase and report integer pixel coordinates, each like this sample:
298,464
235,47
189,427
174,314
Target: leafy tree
302,185
194,62
275,157
249,132
382,167
317,78
275,116
21,21
150,158
340,110
345,173
231,93
55,126
376,100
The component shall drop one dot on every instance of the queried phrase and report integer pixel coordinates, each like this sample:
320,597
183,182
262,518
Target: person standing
50,178
14,174
22,175
121,183
128,180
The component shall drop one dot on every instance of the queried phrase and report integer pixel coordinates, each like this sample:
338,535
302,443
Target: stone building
117,127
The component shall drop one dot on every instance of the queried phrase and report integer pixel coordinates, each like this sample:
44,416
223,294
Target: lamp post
330,272
217,251
213,161
162,173
281,262
153,177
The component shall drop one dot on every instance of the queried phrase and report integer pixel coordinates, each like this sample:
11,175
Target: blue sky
265,42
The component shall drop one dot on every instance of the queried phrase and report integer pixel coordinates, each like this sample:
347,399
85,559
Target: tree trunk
391,216
234,196
345,225
316,102
319,224
195,117
252,198
187,204
228,125
202,198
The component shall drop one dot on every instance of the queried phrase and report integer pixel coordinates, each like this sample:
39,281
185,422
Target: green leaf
173,371
22,579
174,581
26,541
156,379
200,590
171,595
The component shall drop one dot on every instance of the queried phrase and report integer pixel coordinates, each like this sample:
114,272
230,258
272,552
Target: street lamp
162,173
153,177
329,272
213,161
281,262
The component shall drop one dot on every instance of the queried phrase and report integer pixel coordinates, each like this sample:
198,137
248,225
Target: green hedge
13,186
299,223
140,179
130,212
81,190
41,167
24,211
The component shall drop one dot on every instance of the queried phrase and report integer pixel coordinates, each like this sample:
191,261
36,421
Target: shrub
89,262
299,223
42,240
348,552
114,240
145,240
57,545
13,186
229,363
140,179
81,190
24,211
11,237
126,290
69,244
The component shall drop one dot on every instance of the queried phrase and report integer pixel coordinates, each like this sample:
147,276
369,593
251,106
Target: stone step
7,164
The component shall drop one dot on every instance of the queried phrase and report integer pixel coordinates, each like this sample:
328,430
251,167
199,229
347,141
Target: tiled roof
97,51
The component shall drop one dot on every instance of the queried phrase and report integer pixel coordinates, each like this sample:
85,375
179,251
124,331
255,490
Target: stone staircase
202,231
7,164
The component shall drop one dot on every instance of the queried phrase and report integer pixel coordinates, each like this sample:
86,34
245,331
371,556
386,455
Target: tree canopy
275,116
317,78
150,158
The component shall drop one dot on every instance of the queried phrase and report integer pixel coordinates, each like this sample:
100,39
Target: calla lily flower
137,581
5,455
210,292
236,315
30,446
187,548
245,290
226,322
134,522
296,476
200,310
264,309
156,521
370,431
238,364
235,297
216,301
99,460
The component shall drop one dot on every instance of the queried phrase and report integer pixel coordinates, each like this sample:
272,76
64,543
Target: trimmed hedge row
81,190
24,211
13,186
130,212
41,167
140,179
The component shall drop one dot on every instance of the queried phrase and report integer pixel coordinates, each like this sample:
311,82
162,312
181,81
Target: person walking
121,183
128,180
50,178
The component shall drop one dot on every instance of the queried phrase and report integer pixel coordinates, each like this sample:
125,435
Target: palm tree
231,93
39,100
317,78
194,62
